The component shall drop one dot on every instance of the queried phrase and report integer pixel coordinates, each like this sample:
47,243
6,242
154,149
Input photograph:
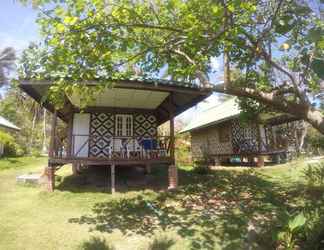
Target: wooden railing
248,145
117,147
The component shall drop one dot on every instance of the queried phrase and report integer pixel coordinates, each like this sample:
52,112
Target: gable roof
7,124
214,115
165,96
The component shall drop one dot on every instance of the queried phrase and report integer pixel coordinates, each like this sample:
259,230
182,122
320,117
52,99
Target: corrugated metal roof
7,124
214,115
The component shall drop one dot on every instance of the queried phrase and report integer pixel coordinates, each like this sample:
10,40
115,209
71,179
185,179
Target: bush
11,148
96,243
314,231
314,174
35,152
292,226
201,167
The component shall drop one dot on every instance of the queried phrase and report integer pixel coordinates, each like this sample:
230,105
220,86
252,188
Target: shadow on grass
97,179
209,210
96,243
161,243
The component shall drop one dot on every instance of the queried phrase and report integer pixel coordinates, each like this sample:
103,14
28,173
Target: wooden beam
115,110
136,84
38,98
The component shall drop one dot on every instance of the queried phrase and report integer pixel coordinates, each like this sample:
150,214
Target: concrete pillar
173,177
50,172
112,171
217,161
75,168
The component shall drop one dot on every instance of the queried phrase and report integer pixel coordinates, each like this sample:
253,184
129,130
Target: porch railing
119,147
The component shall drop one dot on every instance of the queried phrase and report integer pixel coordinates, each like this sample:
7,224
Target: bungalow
218,135
7,126
119,127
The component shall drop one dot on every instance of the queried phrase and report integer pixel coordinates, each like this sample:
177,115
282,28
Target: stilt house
218,135
120,127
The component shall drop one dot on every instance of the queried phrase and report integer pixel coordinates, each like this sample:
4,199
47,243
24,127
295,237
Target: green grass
207,212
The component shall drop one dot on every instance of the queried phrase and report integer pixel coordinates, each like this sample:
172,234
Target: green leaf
317,66
315,34
70,20
297,222
60,27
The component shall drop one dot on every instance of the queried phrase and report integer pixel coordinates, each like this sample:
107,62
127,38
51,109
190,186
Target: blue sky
18,27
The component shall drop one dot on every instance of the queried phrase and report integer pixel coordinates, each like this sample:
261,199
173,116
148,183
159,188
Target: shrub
96,243
201,167
314,230
314,174
11,148
35,152
291,228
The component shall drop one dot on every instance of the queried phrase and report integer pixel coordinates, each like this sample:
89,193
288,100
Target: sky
18,28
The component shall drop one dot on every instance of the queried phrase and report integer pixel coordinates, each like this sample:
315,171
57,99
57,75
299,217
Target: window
124,125
223,133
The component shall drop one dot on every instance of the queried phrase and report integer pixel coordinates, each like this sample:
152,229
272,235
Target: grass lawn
211,211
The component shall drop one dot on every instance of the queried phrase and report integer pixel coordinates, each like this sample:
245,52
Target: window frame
124,118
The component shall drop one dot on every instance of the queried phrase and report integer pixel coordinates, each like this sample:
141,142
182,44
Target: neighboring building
6,126
217,134
120,126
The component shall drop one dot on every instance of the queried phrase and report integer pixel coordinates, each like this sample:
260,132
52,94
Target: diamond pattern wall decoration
102,126
145,125
244,138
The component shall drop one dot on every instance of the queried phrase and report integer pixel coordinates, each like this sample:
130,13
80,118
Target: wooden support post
173,171
50,171
69,137
172,141
112,170
52,148
148,168
260,161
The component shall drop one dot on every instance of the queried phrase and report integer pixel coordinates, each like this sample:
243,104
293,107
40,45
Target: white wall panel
81,123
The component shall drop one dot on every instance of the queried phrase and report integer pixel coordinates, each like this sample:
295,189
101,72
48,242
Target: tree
277,46
28,115
7,59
